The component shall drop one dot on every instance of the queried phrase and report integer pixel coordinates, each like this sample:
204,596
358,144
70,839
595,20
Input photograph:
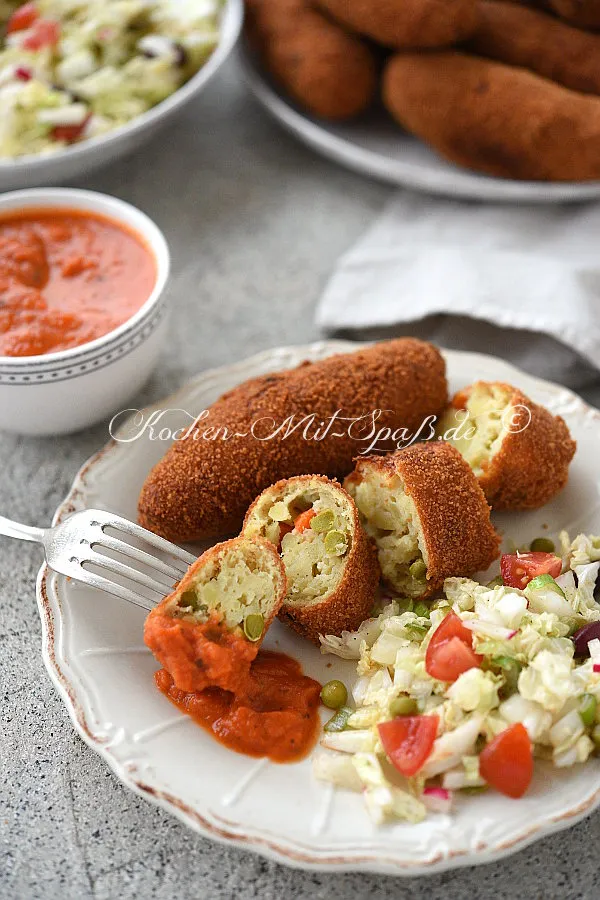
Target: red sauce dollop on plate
67,277
274,715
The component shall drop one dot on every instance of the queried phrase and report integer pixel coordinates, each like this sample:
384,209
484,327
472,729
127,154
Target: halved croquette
330,563
518,450
290,423
208,631
427,515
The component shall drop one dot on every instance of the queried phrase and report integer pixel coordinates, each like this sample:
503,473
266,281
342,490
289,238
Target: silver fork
80,542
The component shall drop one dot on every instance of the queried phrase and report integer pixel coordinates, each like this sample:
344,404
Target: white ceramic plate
94,652
35,171
374,145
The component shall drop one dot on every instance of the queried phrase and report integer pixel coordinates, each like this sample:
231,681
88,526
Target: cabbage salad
74,69
464,694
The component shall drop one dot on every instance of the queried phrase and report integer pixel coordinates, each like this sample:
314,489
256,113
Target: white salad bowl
57,393
72,162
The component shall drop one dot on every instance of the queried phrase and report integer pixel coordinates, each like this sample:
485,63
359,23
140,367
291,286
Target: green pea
339,722
587,710
418,569
542,545
596,736
403,706
421,610
254,625
188,599
335,543
323,521
334,694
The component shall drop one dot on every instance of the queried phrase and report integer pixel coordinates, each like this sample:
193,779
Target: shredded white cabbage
528,673
78,68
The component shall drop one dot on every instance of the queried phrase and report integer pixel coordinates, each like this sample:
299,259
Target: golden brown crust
525,37
407,23
583,13
351,602
202,488
453,512
328,71
532,465
465,108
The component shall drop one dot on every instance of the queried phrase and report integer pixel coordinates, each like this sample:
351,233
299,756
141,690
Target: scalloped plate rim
288,852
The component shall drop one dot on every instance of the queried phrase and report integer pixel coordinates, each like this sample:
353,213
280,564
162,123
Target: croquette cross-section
427,514
519,451
208,631
202,488
330,563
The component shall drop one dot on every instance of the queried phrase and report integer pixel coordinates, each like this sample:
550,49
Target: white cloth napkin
534,267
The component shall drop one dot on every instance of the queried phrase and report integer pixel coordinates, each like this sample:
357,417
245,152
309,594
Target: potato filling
313,531
389,516
238,585
478,434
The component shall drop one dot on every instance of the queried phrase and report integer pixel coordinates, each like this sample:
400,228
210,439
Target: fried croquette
329,72
427,514
582,13
519,452
494,118
330,563
525,37
289,423
408,24
208,631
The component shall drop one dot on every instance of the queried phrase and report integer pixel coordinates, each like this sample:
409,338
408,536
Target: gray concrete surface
255,223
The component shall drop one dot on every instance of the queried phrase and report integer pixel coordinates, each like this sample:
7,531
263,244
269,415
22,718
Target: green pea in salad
75,69
464,695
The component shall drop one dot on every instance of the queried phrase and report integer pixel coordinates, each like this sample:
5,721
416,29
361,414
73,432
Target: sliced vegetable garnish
45,33
339,722
22,18
506,763
587,710
546,582
408,741
518,569
450,650
582,638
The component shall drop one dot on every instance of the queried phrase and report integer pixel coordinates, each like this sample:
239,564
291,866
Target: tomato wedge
302,522
22,18
408,741
518,569
45,33
507,761
450,650
69,133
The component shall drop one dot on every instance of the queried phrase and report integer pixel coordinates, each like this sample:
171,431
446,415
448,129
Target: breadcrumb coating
328,71
351,599
407,24
465,108
532,464
454,517
202,488
541,43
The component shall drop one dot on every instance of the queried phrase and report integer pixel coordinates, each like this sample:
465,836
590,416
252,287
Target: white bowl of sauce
82,309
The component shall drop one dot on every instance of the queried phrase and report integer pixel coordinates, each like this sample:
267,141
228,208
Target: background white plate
34,171
374,145
94,652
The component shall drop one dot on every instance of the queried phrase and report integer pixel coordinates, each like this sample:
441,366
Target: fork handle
22,532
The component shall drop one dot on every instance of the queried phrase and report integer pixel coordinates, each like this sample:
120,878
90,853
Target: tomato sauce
275,714
67,277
